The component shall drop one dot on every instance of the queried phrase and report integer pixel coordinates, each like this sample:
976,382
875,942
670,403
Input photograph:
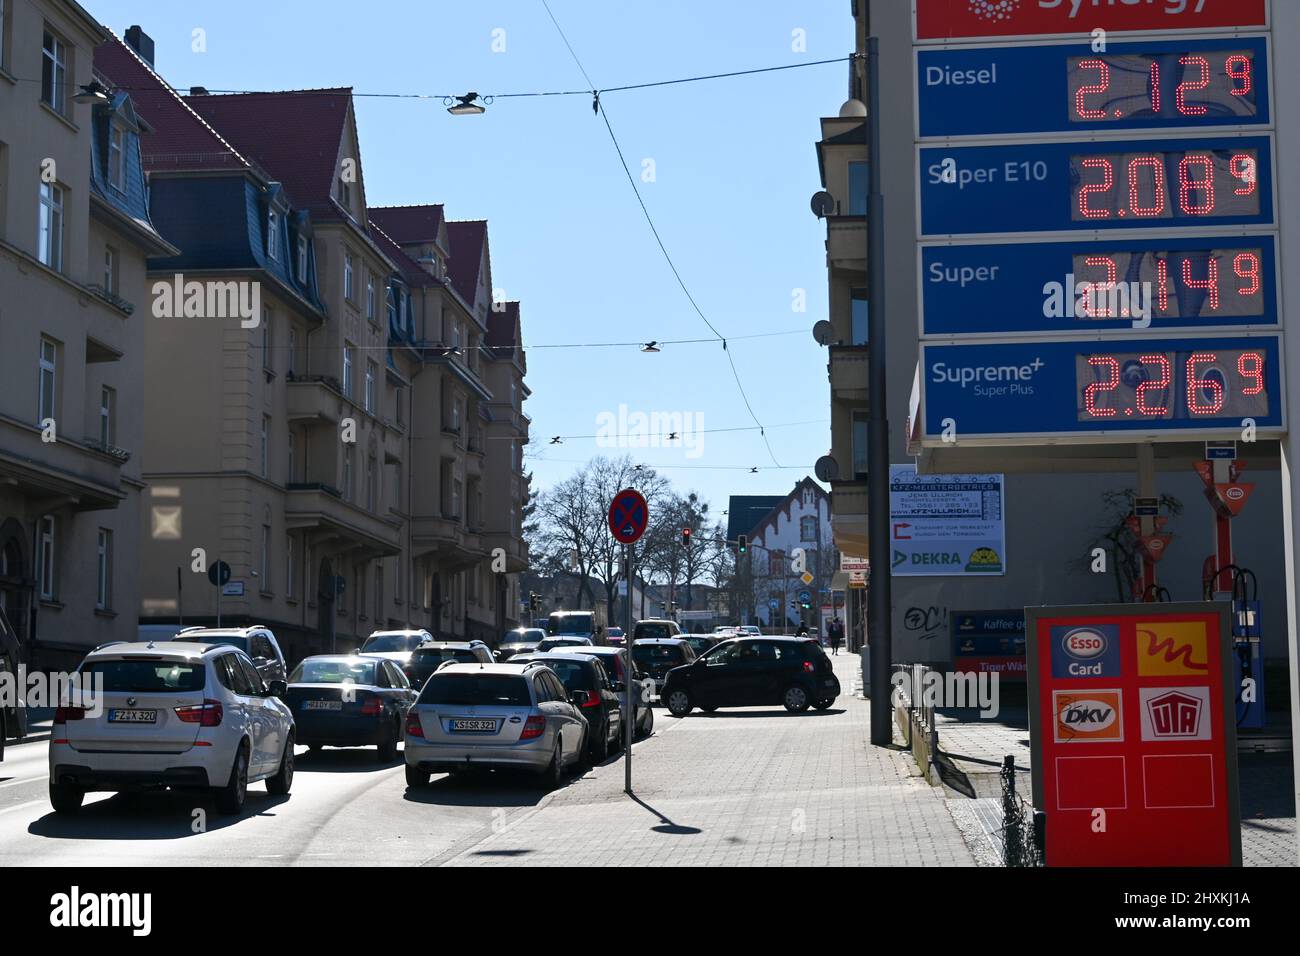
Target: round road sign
628,516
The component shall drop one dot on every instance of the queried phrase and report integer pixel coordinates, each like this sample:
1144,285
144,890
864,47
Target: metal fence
915,715
1022,828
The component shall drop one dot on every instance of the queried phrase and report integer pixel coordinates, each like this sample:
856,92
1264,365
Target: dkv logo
1088,716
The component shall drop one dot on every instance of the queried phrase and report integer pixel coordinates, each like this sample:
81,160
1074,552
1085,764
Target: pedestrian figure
837,635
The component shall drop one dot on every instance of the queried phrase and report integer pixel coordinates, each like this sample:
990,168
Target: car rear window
473,689
333,672
644,632
574,676
146,676
657,653
436,655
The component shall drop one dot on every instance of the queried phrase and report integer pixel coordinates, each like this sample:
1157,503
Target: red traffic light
686,534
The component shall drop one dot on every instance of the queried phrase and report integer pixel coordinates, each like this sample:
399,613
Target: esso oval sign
1084,643
1234,494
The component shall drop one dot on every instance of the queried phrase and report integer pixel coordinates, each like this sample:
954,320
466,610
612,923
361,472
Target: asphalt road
345,808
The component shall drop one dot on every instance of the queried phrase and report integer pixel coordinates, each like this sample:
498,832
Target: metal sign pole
628,671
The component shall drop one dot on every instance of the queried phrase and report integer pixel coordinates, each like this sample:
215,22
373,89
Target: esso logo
1155,545
1234,494
1083,643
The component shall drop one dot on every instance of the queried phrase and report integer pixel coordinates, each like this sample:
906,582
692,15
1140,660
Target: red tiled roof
466,239
180,139
409,224
503,326
294,135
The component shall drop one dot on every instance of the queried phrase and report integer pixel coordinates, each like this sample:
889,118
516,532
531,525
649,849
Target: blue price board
1092,286
1096,185
1179,84
1137,385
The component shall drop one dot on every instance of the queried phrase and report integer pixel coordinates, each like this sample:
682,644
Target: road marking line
14,783
20,806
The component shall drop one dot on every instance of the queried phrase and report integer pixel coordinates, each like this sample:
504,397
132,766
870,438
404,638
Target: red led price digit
1195,384
1095,305
1105,186
1180,97
1092,391
1162,285
1243,166
1155,87
1246,266
1209,285
1186,184
1251,365
1158,185
1239,69
1166,376
1102,86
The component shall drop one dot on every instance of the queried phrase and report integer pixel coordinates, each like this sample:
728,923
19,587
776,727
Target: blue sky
734,164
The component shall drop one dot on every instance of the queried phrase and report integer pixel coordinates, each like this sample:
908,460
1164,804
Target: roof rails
192,627
100,647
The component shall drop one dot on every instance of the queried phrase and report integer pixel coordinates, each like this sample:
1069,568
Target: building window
54,69
455,498
345,194
267,348
116,157
347,473
302,259
107,416
860,442
49,240
370,386
290,572
347,276
47,400
110,270
290,455
347,370
104,570
808,529
399,393
291,364
4,34
272,235
859,330
379,592
370,297
266,436
265,570
858,186
397,581
372,484
45,563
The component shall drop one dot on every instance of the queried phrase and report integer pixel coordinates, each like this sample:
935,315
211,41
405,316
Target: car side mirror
277,688
617,687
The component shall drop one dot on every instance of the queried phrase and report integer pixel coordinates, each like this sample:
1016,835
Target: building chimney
141,42
198,91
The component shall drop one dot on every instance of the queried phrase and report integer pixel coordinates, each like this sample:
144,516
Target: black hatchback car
431,655
794,672
589,686
656,656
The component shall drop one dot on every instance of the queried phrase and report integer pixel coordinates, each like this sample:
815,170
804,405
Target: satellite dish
822,332
827,469
823,204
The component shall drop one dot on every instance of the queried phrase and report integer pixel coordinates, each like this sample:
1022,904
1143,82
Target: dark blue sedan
349,701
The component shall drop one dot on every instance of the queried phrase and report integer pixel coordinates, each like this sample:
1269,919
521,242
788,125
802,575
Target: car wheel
283,779
795,699
649,723
679,703
824,704
230,798
553,775
388,749
64,798
415,777
598,749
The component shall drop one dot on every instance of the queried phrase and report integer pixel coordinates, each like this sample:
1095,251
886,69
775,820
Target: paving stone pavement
750,787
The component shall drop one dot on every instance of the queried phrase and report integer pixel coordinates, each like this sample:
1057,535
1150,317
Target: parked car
587,683
495,716
791,671
350,701
614,660
656,656
654,628
518,641
428,657
701,642
749,630
614,635
176,714
257,642
554,643
157,632
395,646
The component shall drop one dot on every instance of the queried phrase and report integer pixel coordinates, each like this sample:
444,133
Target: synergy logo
1088,651
1088,716
994,9
1172,649
1175,713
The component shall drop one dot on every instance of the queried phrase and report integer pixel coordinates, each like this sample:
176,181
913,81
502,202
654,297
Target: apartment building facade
313,448
75,234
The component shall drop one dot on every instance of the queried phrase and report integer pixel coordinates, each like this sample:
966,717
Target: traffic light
686,537
742,544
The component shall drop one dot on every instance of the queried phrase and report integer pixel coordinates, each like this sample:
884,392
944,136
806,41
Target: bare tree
1124,559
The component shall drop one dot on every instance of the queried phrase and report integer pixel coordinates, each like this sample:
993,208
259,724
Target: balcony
515,549
65,472
320,508
848,372
849,516
846,242
445,537
315,398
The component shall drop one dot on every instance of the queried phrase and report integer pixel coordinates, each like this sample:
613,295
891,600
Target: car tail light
808,667
64,714
591,700
533,727
207,714
413,726
373,707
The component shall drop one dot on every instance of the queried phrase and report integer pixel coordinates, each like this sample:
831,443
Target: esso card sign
937,20
1132,725
1071,87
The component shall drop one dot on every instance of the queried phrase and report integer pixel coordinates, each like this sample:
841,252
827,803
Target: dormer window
302,259
117,157
345,194
273,235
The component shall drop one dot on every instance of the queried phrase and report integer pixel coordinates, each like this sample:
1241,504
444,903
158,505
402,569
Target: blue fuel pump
1247,642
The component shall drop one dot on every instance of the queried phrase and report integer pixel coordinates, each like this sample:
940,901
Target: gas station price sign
1052,186
1158,84
1133,727
1162,386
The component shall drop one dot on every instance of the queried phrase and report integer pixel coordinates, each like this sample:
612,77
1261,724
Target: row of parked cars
214,708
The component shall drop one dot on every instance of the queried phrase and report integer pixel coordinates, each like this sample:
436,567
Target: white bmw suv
171,714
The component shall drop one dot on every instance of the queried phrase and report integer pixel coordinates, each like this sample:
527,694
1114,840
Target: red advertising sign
1132,725
955,19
